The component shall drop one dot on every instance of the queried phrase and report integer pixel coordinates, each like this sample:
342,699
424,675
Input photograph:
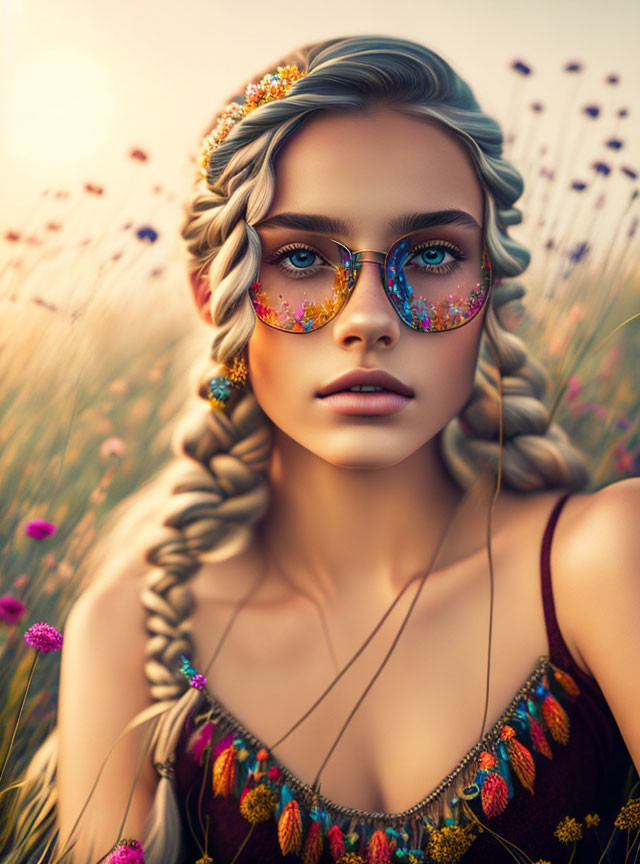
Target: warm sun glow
59,106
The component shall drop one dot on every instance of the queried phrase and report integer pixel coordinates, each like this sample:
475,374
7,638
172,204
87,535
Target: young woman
349,228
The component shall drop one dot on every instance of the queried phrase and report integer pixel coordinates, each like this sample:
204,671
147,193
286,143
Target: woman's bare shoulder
102,689
594,566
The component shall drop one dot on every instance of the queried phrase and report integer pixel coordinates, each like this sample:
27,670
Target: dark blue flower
615,143
147,233
591,111
574,66
601,168
521,68
579,252
578,185
623,112
612,79
537,107
629,172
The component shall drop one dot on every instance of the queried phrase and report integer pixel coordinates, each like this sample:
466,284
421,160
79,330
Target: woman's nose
368,316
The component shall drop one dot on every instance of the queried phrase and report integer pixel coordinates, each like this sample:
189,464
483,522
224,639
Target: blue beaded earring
220,387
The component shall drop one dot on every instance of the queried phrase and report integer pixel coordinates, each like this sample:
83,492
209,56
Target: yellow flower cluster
591,820
205,860
569,830
350,858
629,815
447,845
270,87
542,861
258,804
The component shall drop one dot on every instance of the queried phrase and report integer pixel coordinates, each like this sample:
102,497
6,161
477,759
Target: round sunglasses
303,285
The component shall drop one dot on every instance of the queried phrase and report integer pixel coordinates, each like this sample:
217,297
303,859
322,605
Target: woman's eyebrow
399,225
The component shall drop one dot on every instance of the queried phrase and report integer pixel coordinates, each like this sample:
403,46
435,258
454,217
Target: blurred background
102,109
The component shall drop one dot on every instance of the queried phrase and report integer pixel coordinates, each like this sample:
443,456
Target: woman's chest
408,709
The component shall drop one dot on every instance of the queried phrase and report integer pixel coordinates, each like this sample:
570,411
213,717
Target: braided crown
272,86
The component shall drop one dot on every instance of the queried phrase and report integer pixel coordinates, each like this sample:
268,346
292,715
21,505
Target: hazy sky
83,82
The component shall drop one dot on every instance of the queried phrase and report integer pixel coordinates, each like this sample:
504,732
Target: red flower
93,189
12,236
138,154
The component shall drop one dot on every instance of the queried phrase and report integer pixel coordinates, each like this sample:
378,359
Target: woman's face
368,170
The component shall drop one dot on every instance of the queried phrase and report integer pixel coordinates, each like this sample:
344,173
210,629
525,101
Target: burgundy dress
555,752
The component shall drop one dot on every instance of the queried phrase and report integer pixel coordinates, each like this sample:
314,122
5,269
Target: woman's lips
382,402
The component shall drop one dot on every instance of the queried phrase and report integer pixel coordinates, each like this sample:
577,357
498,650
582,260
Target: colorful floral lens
303,285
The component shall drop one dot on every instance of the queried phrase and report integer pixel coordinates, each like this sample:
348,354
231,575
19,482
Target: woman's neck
331,532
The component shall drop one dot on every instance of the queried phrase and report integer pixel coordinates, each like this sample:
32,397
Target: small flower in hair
43,637
126,852
198,681
39,529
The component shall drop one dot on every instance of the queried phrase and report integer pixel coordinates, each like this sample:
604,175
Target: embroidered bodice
554,752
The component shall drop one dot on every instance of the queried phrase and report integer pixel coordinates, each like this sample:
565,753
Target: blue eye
434,256
305,257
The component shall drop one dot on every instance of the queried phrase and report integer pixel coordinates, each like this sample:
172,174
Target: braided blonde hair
219,477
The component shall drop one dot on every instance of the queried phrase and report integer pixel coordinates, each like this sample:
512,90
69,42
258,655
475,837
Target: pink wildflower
43,637
126,852
198,681
200,740
39,529
574,387
11,609
112,447
20,580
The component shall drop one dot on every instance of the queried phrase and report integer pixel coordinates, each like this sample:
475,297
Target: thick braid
535,455
220,487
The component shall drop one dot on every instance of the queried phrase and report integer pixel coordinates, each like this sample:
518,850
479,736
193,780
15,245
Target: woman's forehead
382,162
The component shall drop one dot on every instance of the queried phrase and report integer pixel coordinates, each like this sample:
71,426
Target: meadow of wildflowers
98,334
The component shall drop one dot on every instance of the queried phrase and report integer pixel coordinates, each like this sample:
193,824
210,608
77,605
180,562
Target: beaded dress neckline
503,758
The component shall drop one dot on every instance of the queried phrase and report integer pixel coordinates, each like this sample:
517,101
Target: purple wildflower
11,609
591,111
579,252
521,68
147,233
43,637
198,681
601,168
623,423
39,529
126,852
